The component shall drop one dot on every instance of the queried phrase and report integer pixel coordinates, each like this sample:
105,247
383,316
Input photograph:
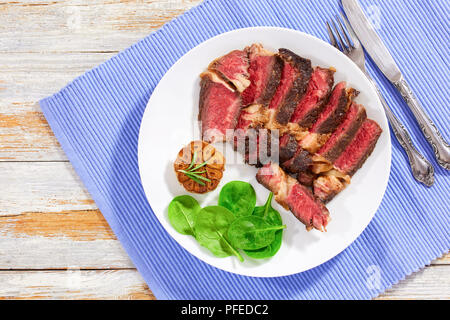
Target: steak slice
328,185
335,109
344,133
306,178
219,107
331,116
312,103
233,67
359,148
294,196
300,162
265,73
288,147
294,81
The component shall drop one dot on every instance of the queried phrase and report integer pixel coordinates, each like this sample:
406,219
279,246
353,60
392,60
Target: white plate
169,123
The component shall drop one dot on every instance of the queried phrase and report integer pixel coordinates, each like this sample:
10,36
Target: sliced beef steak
328,185
265,73
335,109
312,103
288,147
306,178
344,133
300,162
359,148
294,196
295,77
329,119
219,107
233,67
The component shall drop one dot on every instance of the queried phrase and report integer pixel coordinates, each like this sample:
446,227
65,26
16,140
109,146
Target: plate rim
336,51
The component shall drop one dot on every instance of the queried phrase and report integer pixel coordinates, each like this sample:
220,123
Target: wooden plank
24,133
73,284
430,283
41,187
82,25
60,240
45,210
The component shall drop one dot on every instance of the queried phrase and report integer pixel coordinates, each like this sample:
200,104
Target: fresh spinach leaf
267,251
182,212
239,197
211,226
273,217
252,233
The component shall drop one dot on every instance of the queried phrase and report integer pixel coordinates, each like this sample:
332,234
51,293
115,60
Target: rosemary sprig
192,172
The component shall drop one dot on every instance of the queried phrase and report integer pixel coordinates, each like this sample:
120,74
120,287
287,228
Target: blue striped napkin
96,119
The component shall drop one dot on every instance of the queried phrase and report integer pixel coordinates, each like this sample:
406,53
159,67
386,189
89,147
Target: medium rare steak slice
329,119
359,148
233,67
294,196
294,81
312,103
219,107
335,109
344,133
265,73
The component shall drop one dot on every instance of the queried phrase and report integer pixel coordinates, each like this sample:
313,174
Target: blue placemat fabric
96,119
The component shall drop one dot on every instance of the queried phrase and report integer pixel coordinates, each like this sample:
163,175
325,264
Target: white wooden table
54,242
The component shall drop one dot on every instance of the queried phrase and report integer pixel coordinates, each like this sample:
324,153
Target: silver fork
422,170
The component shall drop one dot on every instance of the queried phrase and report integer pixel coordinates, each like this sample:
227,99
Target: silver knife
383,59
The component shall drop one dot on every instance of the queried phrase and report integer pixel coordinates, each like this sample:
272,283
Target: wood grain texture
430,283
44,209
73,284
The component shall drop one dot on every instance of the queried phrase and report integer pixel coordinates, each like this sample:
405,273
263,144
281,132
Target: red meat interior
318,88
331,106
357,150
260,69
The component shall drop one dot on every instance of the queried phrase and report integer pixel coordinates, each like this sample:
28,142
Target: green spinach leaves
211,226
182,212
239,197
252,233
234,225
271,216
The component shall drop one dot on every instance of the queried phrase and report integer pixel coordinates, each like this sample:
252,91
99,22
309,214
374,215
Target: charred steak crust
300,162
328,125
344,135
273,81
311,117
298,88
306,178
288,147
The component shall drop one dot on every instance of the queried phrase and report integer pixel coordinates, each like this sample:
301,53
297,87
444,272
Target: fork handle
421,168
430,131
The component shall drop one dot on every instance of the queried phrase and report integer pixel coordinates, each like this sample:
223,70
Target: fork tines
342,33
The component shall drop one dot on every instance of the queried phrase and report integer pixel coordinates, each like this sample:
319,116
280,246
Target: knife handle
430,131
421,168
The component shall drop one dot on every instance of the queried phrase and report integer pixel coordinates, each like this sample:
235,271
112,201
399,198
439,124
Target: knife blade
371,41
384,61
